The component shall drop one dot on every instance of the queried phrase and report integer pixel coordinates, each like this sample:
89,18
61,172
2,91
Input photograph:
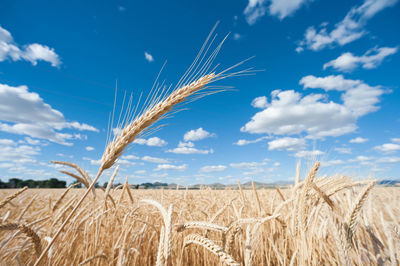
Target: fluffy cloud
347,30
286,143
242,142
154,142
284,8
154,160
31,52
15,154
290,113
358,140
256,9
188,148
197,134
260,102
25,113
213,168
89,148
171,167
347,62
148,57
388,147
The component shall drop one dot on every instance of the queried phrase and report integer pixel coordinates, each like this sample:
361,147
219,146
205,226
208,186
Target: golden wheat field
316,221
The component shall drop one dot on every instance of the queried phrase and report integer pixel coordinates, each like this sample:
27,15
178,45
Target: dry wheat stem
11,197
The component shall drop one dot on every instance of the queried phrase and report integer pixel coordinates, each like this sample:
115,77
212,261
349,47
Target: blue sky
329,89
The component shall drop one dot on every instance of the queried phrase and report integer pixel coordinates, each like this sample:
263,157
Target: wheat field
315,221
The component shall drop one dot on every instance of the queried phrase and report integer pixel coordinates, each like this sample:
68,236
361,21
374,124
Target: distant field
325,221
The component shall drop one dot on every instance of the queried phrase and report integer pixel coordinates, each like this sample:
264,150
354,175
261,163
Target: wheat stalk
11,197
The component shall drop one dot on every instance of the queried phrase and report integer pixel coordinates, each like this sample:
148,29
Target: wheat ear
211,246
324,197
201,225
27,231
98,256
352,217
302,213
84,175
152,115
11,197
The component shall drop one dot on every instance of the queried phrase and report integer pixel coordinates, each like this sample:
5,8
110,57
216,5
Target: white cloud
284,8
154,160
388,147
256,9
148,57
154,142
260,102
25,113
89,148
290,113
213,168
286,143
130,157
197,134
189,150
397,140
358,140
185,144
33,117
389,160
343,150
15,154
171,167
347,62
361,158
247,165
348,30
31,52
242,142
309,154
